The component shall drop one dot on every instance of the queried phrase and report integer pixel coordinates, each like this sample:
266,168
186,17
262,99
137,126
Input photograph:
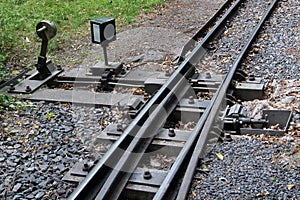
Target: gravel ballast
251,168
40,144
262,167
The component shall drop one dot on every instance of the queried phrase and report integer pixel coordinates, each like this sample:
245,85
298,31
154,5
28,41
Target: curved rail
102,177
202,31
109,177
199,150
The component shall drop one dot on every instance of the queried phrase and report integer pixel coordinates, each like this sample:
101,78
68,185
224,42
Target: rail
109,177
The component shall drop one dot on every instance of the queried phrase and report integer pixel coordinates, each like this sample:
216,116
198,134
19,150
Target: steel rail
200,50
200,149
118,178
122,158
95,180
98,82
202,31
14,79
169,185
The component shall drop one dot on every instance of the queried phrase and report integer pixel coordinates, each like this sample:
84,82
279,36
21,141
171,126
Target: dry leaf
36,126
290,187
15,72
220,156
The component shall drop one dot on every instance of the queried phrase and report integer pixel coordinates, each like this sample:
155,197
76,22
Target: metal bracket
249,91
278,123
35,81
205,82
250,88
100,68
190,109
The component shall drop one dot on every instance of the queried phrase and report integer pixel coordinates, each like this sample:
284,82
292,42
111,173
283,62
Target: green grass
11,103
18,19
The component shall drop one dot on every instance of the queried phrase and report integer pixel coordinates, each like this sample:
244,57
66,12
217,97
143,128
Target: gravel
225,49
252,168
262,167
41,143
275,55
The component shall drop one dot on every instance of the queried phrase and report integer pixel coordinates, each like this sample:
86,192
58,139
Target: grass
11,103
18,19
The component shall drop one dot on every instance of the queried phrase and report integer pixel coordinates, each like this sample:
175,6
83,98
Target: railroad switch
236,117
236,121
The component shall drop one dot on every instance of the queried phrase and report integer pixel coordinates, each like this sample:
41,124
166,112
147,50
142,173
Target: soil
163,31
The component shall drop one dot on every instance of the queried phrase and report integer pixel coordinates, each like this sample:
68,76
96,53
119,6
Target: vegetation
11,103
18,19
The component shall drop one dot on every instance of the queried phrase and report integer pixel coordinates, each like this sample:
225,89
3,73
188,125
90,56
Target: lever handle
45,30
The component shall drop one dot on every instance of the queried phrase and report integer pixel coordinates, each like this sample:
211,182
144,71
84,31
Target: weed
50,115
11,103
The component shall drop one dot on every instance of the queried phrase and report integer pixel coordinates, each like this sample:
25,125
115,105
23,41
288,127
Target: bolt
208,75
191,100
167,73
211,46
120,127
171,132
59,67
28,88
146,96
227,137
86,167
147,175
251,77
123,71
11,88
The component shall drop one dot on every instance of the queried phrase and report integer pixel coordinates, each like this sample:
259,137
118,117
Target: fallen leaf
36,126
289,187
15,72
220,156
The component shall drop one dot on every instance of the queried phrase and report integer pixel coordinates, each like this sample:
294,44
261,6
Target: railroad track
121,172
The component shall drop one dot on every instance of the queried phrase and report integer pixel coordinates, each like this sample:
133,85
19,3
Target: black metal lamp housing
103,30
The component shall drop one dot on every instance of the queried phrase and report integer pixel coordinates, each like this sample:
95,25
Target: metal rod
104,46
